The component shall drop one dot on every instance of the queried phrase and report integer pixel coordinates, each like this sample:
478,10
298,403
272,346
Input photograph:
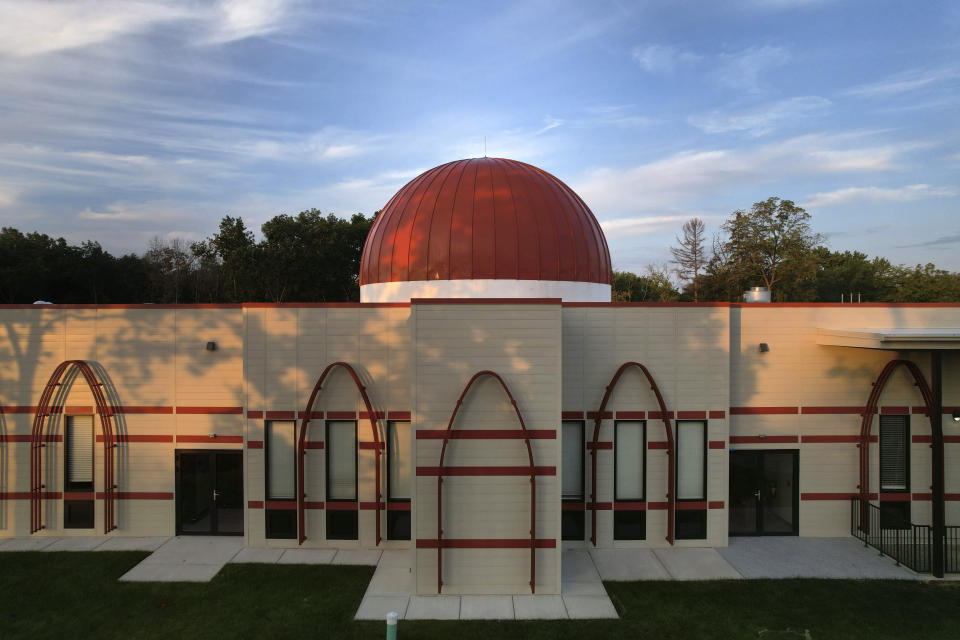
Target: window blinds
281,460
341,461
398,459
690,459
80,449
629,460
893,453
572,462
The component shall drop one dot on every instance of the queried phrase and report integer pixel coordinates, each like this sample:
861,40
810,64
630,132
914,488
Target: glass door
209,492
763,493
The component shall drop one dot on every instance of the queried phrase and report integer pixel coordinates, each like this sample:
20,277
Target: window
691,512
281,454
894,470
629,485
399,464
572,519
78,476
341,448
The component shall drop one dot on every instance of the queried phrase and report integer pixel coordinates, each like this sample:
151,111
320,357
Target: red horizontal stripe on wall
314,415
764,439
572,506
342,506
398,506
139,495
894,411
922,439
718,444
629,506
718,415
79,495
592,415
372,506
631,415
690,506
486,543
833,496
313,505
254,444
571,415
211,439
25,495
149,410
762,411
691,415
599,506
398,415
485,471
894,497
223,411
280,415
254,415
830,439
717,504
138,438
919,410
371,445
17,409
78,408
658,506
487,434
364,415
599,445
953,439
280,505
659,415
832,411
254,504
657,444
341,415
313,444
27,438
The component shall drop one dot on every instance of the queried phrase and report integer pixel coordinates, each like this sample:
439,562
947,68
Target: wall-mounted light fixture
764,347
211,346
956,415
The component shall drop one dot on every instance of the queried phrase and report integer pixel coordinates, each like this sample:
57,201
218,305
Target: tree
774,244
655,286
853,273
689,256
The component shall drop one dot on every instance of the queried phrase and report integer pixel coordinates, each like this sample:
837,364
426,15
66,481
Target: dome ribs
485,218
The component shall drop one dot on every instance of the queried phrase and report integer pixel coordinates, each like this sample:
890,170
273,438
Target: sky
125,120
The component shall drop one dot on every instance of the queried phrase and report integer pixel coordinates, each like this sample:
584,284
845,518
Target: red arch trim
867,423
37,437
301,445
671,458
532,470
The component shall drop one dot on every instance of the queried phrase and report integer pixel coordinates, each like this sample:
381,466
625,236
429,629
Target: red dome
485,218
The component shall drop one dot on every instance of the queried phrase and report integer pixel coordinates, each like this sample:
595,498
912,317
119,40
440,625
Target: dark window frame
337,514
575,518
276,521
78,487
906,455
394,515
700,514
619,517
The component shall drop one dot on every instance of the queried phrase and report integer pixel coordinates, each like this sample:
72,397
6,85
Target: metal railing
908,544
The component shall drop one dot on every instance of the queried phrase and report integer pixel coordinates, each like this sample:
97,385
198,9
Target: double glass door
763,493
209,492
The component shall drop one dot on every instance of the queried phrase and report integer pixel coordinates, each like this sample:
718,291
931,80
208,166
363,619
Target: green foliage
653,287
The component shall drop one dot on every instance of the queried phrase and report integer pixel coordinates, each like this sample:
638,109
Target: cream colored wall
147,358
797,372
522,343
685,350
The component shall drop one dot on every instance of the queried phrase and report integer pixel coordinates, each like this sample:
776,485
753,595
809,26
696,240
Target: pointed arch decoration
671,457
866,425
302,438
532,472
50,404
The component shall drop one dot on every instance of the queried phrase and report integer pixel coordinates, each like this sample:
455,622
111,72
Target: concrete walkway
392,589
50,543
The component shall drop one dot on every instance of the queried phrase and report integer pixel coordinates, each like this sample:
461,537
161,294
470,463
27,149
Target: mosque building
484,406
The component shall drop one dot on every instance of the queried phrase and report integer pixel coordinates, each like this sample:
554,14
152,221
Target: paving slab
583,589
357,556
789,557
208,550
577,566
628,564
171,573
433,608
307,556
396,558
258,556
27,544
132,544
696,563
377,607
486,608
589,607
539,607
75,544
391,581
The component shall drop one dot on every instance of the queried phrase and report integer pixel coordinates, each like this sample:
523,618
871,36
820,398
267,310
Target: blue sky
125,120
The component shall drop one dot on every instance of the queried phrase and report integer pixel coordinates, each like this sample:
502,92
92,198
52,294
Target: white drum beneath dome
488,288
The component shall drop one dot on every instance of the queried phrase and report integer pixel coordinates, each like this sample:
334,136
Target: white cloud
7,196
877,194
743,69
658,58
760,120
636,226
903,82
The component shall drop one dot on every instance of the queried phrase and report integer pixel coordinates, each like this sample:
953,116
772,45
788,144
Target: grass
76,595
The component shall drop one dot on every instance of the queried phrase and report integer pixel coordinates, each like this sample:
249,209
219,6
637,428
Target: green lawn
76,595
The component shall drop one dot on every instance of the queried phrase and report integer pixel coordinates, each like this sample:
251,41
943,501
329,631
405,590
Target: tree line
772,245
311,257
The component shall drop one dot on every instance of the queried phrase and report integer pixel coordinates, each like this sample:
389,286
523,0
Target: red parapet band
486,434
486,543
